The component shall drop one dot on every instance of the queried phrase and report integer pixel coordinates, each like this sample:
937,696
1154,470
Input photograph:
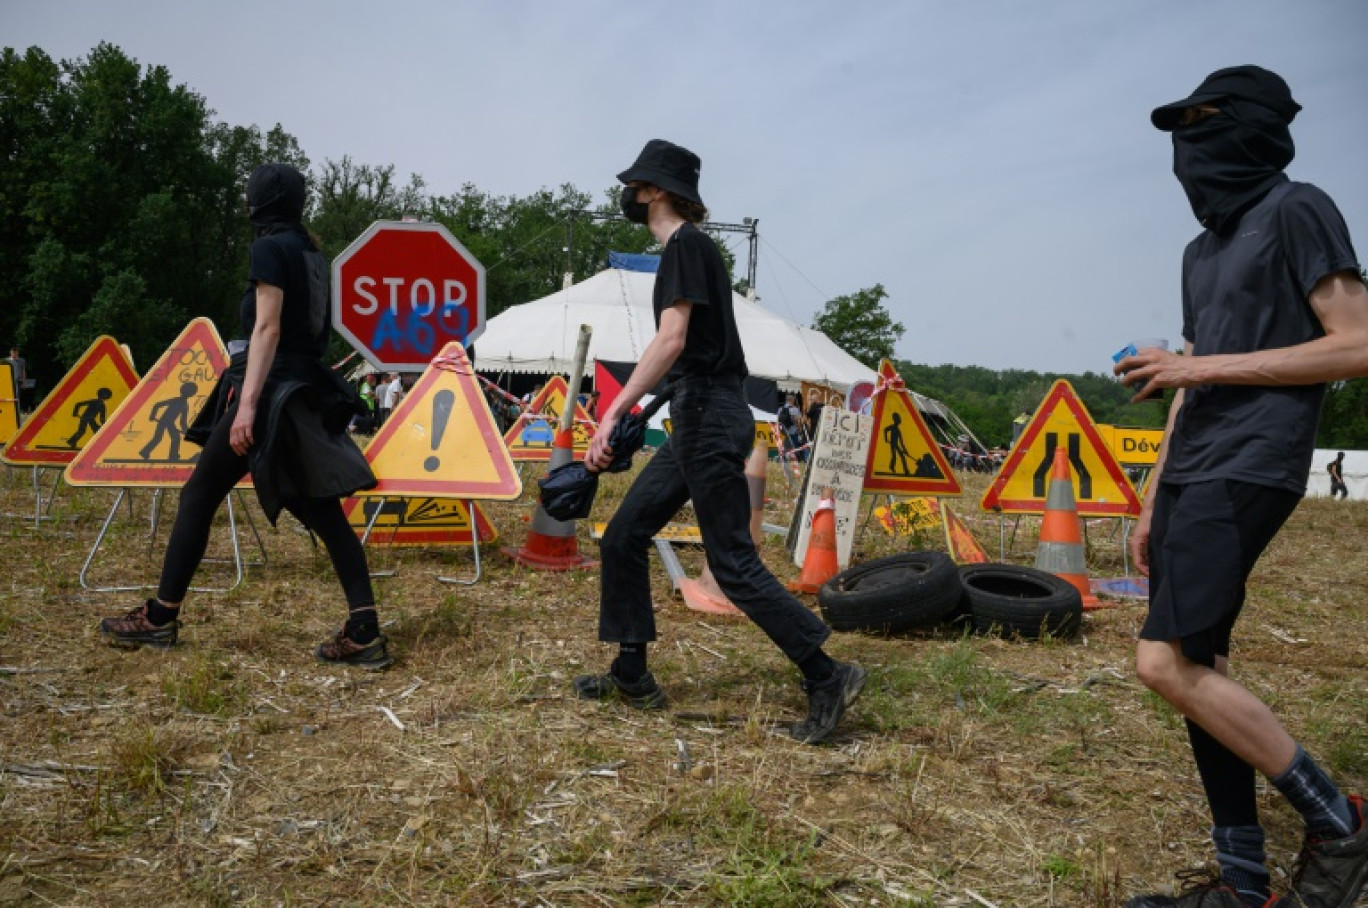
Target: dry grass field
975,771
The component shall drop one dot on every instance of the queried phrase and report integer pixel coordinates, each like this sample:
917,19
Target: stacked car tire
922,589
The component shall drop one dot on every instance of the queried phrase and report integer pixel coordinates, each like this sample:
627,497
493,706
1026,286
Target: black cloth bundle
567,492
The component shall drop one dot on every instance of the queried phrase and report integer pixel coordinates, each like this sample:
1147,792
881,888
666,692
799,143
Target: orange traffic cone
819,564
703,594
551,544
1061,539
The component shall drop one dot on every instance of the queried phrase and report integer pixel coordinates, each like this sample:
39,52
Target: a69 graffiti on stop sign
403,290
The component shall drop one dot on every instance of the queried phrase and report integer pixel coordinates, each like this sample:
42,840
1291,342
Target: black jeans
216,472
703,460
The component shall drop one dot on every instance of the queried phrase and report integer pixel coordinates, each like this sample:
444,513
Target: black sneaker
1203,891
827,702
1331,872
342,650
642,694
133,630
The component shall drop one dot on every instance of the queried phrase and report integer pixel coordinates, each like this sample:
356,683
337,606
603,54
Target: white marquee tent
540,336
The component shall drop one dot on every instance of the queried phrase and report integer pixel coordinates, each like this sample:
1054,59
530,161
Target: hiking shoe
827,702
342,650
642,694
1203,891
1331,872
134,630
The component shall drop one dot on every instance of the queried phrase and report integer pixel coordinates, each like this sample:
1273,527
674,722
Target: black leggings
219,469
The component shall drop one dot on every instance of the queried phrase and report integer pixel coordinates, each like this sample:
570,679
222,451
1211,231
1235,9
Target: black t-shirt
286,260
692,270
1248,291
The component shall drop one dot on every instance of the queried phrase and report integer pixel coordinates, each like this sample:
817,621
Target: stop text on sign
403,290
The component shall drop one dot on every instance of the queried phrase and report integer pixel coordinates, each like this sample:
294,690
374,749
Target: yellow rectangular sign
1136,447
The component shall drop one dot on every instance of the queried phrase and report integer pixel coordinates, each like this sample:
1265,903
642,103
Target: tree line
122,213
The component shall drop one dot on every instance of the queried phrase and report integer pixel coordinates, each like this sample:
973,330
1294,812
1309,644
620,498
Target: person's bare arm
260,353
1139,540
1340,302
660,354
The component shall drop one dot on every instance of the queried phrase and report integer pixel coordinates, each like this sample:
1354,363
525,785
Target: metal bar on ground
671,562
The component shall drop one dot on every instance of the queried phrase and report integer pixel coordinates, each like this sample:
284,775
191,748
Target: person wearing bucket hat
697,345
1273,308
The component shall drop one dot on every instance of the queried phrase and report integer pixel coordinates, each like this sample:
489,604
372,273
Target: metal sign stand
154,517
474,548
41,506
474,543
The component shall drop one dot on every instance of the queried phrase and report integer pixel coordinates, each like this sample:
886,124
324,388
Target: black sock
630,665
1324,807
160,614
362,625
1240,852
818,667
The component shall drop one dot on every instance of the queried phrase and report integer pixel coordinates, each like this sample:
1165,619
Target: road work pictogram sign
1101,488
903,457
142,442
441,441
417,521
532,436
77,408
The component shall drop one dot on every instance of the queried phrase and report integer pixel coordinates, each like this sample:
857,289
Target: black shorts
1204,540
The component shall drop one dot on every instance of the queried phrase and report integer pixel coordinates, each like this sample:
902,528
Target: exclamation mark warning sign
441,441
442,403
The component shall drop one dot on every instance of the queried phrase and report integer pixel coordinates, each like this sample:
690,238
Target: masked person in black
281,413
697,344
1273,308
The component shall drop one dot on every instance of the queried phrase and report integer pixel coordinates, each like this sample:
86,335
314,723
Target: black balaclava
275,199
1229,161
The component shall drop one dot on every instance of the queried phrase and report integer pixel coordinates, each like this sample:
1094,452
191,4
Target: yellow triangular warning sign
908,515
964,548
903,457
9,404
142,443
417,521
69,417
532,436
441,441
1101,488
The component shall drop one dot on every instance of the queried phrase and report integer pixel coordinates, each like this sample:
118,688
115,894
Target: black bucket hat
1247,83
671,167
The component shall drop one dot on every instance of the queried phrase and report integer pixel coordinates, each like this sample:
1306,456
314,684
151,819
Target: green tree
120,205
348,197
860,325
1344,419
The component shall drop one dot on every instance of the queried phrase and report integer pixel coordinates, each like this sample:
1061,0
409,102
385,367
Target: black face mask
632,210
1229,161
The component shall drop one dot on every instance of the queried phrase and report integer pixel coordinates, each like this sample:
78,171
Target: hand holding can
1135,347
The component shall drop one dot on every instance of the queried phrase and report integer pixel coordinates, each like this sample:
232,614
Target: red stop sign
403,290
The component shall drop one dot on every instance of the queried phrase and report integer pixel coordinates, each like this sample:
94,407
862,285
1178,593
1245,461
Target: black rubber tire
891,594
1011,599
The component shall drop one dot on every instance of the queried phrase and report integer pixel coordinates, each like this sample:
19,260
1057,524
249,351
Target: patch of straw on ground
234,769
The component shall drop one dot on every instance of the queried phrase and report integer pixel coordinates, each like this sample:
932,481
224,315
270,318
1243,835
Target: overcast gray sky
990,163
